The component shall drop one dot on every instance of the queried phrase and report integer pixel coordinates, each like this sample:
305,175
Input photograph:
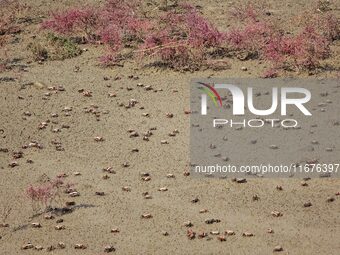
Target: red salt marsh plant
178,38
77,20
327,24
44,195
183,39
252,37
304,50
115,25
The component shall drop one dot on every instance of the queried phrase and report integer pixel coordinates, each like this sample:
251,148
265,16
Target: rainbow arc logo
212,93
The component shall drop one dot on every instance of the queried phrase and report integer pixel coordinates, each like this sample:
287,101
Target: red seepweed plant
114,24
45,194
178,38
247,11
73,21
302,51
181,38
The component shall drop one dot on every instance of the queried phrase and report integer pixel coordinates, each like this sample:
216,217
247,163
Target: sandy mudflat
300,230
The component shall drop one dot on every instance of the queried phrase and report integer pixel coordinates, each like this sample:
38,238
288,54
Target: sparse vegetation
39,52
301,51
10,13
323,5
43,196
5,213
182,38
54,47
62,48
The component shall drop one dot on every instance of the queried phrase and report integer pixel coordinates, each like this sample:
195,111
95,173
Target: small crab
61,245
222,238
191,234
13,164
115,230
163,189
87,93
187,224
146,216
202,235
27,246
59,227
36,225
126,188
79,246
278,248
99,139
247,234
109,248
74,194
276,213
229,232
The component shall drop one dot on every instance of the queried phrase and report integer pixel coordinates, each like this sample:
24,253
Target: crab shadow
56,211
